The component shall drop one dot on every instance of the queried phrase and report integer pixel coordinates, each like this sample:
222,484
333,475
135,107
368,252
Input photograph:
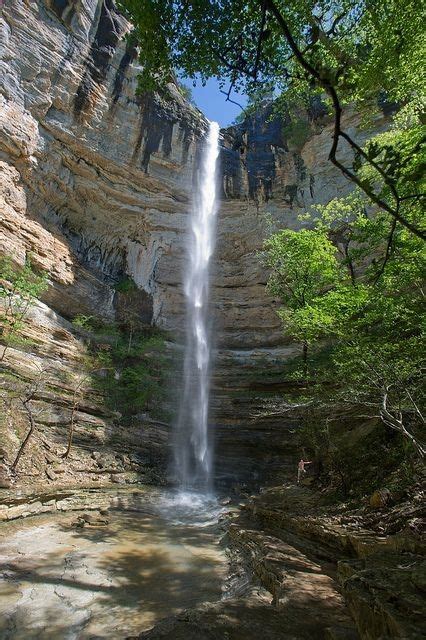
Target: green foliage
126,357
84,322
126,285
401,154
186,92
368,306
19,288
24,282
97,328
130,375
303,267
362,47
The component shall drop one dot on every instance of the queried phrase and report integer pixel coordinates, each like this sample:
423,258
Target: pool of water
158,554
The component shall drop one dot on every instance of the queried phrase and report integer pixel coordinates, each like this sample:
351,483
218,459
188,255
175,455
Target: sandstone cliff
269,178
95,185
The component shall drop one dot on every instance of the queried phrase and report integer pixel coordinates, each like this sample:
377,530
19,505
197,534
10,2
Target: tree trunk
305,360
70,432
28,409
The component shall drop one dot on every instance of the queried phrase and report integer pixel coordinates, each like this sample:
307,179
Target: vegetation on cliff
19,288
119,370
362,319
126,363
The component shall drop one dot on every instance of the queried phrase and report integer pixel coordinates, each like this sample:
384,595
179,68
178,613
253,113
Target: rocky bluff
96,183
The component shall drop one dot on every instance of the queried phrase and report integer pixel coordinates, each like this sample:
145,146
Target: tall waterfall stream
192,446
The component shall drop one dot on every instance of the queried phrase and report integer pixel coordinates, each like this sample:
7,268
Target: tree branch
396,422
259,41
388,251
326,84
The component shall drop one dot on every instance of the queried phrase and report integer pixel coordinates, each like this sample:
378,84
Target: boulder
379,498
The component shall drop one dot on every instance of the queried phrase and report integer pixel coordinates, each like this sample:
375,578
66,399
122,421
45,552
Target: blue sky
213,103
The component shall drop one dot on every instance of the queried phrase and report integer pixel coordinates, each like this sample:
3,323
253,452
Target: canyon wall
96,185
270,176
96,168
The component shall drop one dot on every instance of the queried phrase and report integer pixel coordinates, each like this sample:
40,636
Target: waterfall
192,447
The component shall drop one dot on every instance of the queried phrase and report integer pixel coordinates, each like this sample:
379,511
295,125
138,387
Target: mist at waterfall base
192,445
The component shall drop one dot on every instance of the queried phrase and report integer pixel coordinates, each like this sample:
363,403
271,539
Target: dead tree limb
394,420
27,406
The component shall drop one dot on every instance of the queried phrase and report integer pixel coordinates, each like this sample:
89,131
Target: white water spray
192,447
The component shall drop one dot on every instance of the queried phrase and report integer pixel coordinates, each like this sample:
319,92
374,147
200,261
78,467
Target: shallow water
158,556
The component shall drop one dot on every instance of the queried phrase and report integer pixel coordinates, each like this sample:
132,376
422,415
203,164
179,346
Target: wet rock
94,519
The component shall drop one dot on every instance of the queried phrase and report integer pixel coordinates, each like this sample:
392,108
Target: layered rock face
95,185
96,178
268,179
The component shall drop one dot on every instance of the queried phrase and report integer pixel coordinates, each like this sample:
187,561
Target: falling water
192,447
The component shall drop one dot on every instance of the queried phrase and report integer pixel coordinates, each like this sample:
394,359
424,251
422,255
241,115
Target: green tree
19,288
368,306
347,50
186,92
375,316
303,267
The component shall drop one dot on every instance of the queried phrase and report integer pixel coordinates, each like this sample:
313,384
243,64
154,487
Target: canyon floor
126,563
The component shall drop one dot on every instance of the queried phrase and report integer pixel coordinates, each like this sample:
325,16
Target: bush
19,288
130,376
